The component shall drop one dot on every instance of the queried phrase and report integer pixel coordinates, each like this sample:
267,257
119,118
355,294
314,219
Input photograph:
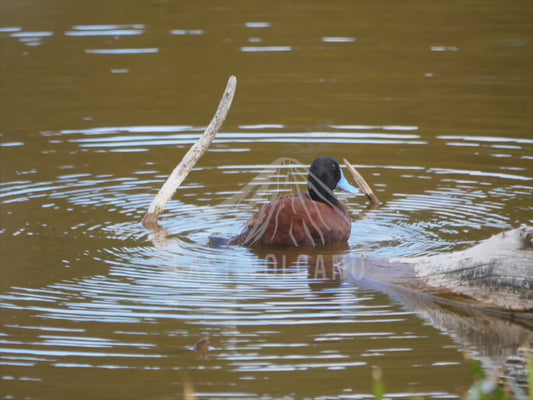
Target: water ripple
160,290
106,32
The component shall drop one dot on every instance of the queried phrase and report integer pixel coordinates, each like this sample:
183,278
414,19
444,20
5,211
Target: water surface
430,101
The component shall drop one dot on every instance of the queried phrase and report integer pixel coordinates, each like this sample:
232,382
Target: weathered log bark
496,274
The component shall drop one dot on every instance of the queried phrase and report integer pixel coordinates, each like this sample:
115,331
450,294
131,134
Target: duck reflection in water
317,218
323,265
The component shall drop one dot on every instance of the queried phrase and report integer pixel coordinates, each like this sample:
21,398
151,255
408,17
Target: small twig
365,188
191,157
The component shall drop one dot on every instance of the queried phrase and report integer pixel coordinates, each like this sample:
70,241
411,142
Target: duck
312,219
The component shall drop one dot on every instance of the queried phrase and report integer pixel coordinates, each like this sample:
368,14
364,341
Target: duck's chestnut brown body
296,221
303,220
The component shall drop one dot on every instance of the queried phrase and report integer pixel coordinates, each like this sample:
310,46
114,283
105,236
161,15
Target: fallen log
482,297
497,339
496,274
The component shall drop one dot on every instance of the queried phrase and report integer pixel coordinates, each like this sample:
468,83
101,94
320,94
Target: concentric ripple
131,299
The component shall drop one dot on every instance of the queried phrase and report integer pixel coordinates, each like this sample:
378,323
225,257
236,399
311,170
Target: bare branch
365,188
191,158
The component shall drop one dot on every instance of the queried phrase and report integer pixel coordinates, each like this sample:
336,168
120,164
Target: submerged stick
365,187
191,157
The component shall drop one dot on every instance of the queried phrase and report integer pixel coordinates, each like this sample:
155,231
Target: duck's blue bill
344,185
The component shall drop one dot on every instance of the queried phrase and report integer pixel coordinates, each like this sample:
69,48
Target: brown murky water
430,100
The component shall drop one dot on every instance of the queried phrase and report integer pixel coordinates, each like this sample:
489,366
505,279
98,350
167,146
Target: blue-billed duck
303,220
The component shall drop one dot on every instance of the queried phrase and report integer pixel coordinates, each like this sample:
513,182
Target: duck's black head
325,175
